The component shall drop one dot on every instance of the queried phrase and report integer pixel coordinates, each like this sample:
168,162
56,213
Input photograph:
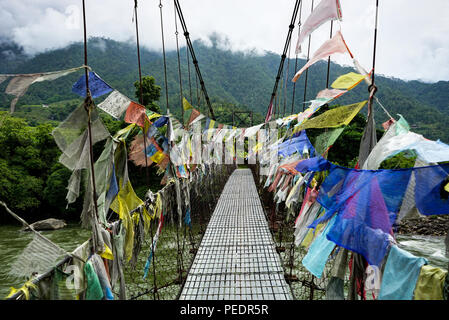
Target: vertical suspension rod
307,70
165,61
141,93
88,110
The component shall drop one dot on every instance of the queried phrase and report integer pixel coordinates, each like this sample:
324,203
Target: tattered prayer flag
18,86
115,104
135,114
185,104
334,45
97,86
325,11
20,82
50,76
347,81
333,118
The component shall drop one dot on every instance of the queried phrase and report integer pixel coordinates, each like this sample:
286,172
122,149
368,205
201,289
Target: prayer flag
334,45
185,104
135,114
115,104
325,11
347,81
97,86
333,118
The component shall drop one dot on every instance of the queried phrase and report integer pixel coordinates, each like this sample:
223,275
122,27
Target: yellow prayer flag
447,187
333,118
157,157
123,204
124,131
107,253
347,81
186,105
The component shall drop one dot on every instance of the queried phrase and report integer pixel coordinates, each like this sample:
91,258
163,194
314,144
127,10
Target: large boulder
47,224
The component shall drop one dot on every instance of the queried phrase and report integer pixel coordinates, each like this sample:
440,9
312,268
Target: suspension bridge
213,231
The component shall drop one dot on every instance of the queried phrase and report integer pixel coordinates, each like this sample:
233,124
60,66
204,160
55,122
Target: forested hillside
34,182
232,79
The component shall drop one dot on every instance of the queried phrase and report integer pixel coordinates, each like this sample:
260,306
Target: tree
150,93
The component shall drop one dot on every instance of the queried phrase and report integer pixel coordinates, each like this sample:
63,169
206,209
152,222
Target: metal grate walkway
237,259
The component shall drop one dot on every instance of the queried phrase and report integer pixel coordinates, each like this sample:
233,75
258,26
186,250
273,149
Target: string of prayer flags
97,86
325,11
20,83
334,45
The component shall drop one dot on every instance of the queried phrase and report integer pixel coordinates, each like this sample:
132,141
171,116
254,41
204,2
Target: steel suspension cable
163,53
286,77
329,59
188,69
194,59
372,88
88,106
283,56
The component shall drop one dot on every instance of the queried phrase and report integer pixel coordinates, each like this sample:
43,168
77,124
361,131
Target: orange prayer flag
135,114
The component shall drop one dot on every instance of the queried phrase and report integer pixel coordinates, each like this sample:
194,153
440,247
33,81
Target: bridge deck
237,259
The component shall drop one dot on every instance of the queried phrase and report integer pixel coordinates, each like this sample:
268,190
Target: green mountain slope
241,79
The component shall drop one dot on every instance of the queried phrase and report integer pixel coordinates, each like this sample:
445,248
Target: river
13,241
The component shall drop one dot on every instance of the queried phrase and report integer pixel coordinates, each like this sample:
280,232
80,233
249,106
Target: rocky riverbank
429,226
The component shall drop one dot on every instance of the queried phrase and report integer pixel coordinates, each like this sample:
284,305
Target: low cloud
412,35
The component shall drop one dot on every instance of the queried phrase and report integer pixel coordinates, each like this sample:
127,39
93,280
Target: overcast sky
413,36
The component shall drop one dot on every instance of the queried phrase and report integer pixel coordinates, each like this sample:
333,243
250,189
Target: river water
13,241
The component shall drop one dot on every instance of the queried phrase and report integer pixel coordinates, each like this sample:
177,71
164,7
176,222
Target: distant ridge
242,79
